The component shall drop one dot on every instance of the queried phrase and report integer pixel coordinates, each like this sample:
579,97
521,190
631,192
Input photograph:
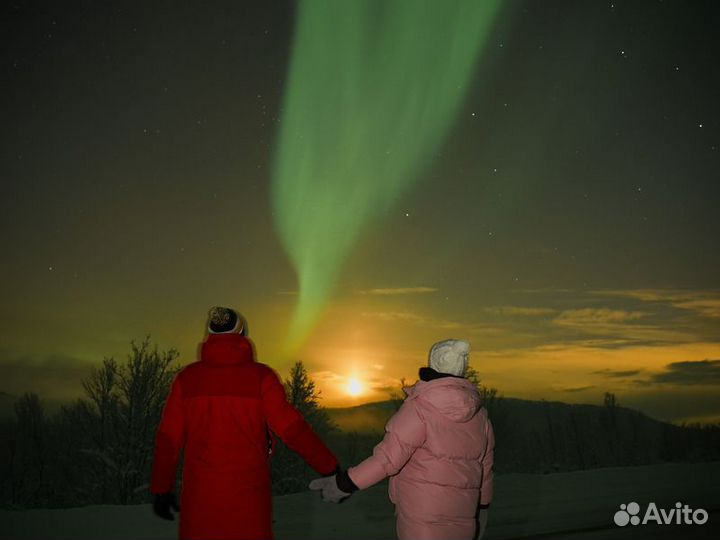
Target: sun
354,387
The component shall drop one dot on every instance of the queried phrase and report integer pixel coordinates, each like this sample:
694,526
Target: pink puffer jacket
438,451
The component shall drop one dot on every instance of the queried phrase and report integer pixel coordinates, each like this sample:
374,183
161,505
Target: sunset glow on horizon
638,344
354,387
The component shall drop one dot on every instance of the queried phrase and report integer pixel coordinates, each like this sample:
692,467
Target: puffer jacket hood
438,451
226,349
455,398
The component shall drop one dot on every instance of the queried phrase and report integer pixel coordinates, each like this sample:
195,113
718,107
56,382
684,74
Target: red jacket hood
226,349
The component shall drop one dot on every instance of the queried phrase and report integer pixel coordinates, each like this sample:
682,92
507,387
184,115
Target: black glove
344,482
162,504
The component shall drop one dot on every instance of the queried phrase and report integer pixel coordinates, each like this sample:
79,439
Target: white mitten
329,489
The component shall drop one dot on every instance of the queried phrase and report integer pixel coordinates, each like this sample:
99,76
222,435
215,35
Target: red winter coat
219,410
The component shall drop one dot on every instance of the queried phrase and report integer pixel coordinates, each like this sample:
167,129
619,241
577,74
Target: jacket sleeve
486,489
168,442
288,424
404,433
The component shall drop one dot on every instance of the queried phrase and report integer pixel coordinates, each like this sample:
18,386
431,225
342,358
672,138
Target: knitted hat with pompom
224,321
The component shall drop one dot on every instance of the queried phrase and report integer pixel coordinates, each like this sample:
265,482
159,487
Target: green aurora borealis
372,91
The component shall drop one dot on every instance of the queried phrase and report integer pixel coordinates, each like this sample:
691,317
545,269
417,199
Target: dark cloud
576,388
49,376
617,373
388,388
399,291
690,372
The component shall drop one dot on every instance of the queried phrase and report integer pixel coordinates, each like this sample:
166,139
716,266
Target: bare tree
143,385
398,396
611,407
610,401
101,388
128,400
490,395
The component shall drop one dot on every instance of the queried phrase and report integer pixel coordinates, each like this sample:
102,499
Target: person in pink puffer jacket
438,452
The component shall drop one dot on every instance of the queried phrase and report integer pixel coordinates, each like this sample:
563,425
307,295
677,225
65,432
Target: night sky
567,226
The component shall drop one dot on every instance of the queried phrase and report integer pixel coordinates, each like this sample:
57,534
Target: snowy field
563,505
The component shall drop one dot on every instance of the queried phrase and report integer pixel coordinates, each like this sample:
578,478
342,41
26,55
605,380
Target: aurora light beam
373,89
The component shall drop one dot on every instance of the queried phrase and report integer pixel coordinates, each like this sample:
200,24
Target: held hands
162,504
329,489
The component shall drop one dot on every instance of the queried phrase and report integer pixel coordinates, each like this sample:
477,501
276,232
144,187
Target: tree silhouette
29,453
126,402
398,395
610,401
301,391
290,474
489,395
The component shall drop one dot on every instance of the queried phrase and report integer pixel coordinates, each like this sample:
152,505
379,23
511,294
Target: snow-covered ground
563,505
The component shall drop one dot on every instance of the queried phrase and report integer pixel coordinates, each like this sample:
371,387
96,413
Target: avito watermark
629,514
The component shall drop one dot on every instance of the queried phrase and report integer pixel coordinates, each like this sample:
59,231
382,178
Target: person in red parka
219,410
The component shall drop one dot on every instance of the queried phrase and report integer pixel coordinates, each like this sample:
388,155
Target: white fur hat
450,356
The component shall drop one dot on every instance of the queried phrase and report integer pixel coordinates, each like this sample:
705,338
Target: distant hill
367,418
551,436
531,436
